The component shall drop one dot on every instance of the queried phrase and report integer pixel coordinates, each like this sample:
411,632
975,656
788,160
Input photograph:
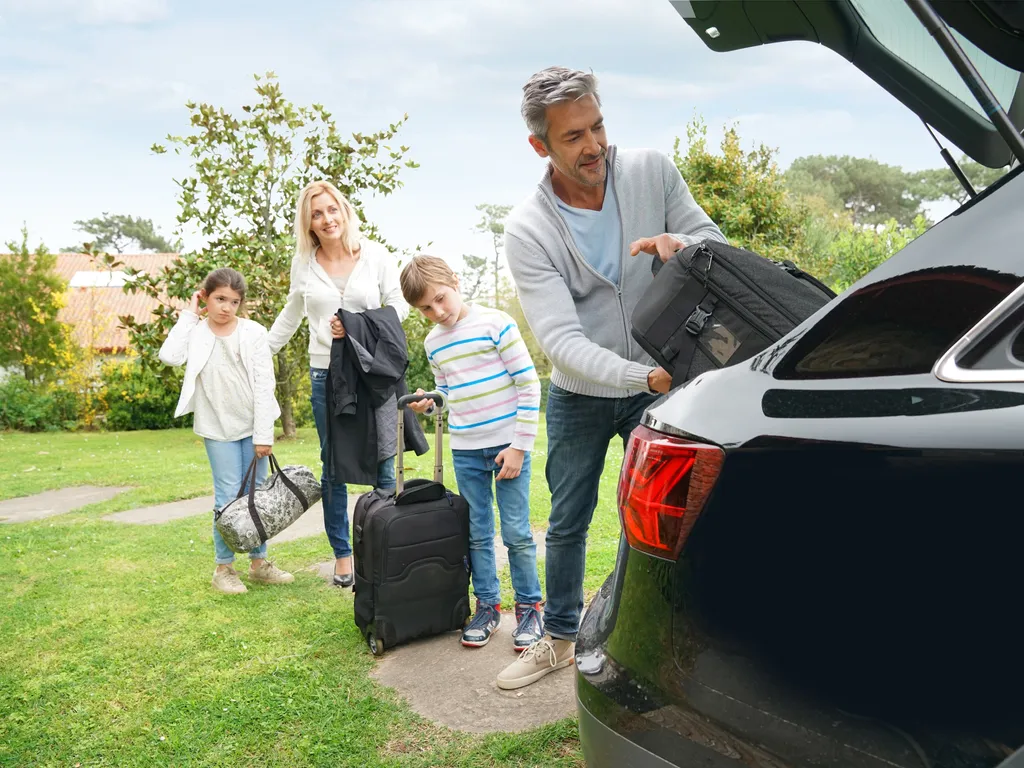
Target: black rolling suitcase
713,305
411,555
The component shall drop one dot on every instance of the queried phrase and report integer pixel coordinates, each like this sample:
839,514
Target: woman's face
325,219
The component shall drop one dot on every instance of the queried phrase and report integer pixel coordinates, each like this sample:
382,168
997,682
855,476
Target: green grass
115,651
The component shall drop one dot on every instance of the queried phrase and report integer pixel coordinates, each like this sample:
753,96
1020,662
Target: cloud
93,12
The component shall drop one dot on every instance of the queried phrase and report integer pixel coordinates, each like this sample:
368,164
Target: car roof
886,41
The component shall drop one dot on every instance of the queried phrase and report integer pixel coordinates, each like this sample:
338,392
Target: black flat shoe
343,580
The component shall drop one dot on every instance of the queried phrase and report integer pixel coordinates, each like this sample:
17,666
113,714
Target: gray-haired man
570,247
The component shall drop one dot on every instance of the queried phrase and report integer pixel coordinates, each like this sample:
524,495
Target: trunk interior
882,582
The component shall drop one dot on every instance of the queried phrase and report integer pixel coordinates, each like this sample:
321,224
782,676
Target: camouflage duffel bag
265,511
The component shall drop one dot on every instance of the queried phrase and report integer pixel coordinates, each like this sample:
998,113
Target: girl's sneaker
268,573
483,624
529,626
227,581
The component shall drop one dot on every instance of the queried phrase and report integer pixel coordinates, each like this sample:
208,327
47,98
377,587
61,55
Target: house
96,298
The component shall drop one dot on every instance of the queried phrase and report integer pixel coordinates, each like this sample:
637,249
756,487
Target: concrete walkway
50,503
454,686
163,513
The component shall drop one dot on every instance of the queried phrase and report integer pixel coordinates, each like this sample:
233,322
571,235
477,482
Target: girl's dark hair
225,277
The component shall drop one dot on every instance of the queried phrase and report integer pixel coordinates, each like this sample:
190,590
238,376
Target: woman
335,267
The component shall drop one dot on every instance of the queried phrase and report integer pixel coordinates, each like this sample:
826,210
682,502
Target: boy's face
442,304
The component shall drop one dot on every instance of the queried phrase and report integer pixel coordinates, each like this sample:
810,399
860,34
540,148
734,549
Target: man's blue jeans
335,495
228,462
579,430
475,472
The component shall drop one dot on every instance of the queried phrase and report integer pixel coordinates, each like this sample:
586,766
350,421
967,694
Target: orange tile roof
104,305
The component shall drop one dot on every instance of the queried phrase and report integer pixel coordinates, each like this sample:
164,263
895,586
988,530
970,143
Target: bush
141,398
33,408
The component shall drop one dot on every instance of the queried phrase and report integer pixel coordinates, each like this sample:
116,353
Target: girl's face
222,306
325,218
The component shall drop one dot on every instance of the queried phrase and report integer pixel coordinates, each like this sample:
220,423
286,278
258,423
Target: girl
229,385
335,267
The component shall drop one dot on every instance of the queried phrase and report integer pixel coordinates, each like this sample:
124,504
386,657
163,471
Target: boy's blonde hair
423,271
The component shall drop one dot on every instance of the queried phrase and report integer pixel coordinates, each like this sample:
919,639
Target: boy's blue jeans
579,430
228,462
335,495
475,473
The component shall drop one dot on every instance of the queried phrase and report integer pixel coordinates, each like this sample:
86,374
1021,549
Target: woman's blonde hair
305,240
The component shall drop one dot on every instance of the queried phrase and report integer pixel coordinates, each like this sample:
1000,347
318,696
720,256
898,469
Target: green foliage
418,374
742,192
246,175
941,184
141,397
32,340
118,232
855,251
35,407
872,192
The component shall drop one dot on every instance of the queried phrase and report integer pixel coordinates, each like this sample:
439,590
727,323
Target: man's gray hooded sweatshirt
580,318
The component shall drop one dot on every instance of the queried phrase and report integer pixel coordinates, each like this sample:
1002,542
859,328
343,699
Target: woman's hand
337,329
262,451
193,303
511,462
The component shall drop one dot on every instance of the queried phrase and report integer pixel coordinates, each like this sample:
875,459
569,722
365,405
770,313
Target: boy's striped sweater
484,369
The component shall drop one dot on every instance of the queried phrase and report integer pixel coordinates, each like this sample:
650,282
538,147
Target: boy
481,365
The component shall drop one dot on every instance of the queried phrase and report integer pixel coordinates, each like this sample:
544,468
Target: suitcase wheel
373,642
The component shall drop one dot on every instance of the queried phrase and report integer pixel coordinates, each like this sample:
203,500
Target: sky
87,86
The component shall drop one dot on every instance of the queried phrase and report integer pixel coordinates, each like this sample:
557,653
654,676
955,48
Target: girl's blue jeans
228,462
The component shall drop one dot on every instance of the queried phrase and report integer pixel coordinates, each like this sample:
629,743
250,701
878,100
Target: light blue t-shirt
598,234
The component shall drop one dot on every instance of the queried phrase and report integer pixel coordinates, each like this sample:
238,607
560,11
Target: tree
871,191
743,193
940,184
32,340
475,271
247,173
120,233
493,223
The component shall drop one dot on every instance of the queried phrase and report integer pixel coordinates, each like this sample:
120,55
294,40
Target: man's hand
263,451
337,329
511,462
421,406
659,380
662,246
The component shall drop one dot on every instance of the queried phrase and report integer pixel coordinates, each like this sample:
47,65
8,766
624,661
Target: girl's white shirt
191,342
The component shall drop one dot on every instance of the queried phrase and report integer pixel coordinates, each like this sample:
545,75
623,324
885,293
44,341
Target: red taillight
663,486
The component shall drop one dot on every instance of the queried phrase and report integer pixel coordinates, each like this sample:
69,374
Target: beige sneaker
544,656
268,573
228,582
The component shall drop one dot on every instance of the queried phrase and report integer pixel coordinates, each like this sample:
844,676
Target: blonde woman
334,267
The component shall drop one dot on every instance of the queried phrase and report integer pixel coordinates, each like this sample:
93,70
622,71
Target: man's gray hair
551,86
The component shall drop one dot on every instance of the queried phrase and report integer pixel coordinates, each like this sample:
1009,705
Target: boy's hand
511,462
421,406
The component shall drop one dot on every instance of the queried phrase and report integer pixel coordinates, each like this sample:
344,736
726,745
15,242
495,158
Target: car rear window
898,326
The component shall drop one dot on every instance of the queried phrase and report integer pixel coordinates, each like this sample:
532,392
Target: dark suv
822,546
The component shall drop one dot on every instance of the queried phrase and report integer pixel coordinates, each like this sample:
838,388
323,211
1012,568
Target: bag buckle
697,320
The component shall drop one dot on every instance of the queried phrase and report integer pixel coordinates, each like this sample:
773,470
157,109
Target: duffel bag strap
275,467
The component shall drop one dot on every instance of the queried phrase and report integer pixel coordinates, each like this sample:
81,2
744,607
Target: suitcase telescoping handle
403,401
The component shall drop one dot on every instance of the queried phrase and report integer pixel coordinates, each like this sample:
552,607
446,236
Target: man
572,247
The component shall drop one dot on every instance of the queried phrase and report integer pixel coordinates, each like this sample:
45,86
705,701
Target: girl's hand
337,329
193,303
511,462
262,451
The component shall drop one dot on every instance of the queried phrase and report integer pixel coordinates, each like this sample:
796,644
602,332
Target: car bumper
605,748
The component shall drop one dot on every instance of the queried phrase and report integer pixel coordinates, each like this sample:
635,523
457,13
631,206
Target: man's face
577,145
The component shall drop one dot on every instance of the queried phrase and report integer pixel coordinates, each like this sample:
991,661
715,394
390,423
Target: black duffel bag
713,305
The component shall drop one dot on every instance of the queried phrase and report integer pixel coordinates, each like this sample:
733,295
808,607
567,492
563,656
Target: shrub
36,407
141,398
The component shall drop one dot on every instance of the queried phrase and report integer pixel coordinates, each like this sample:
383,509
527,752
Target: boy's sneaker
268,573
529,626
227,581
483,624
544,656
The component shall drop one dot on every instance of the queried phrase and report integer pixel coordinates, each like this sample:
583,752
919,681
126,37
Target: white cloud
95,12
